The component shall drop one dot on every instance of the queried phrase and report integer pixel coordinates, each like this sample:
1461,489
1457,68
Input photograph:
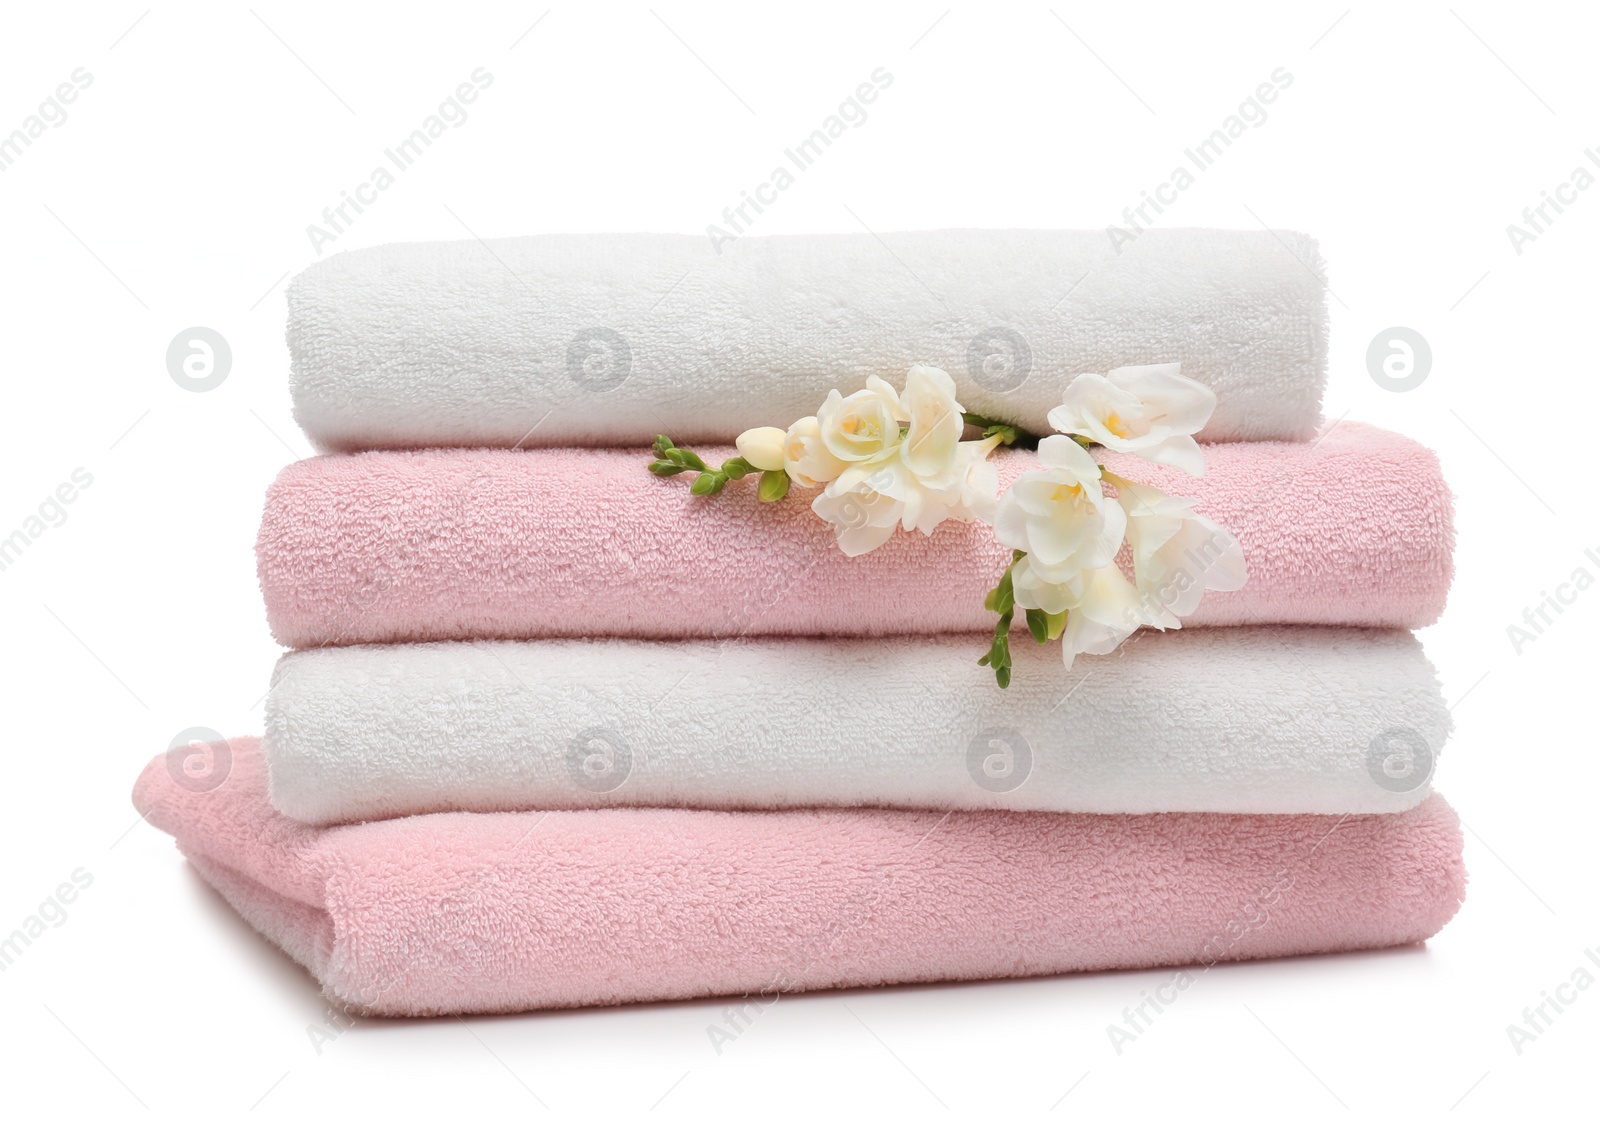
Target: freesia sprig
883,458
1066,531
672,460
1042,625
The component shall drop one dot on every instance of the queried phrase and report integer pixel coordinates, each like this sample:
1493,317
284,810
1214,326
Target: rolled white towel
1240,720
609,339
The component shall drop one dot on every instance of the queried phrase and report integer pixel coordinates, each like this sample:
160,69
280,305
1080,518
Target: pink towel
1353,528
455,913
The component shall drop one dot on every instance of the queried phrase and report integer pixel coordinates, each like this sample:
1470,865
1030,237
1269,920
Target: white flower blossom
1178,555
866,507
808,463
892,460
1148,411
1059,515
863,426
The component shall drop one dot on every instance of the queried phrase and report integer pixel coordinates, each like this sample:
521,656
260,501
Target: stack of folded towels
554,731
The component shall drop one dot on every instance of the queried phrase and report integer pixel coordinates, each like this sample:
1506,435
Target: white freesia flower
1149,411
1178,555
1051,592
929,458
1101,606
934,422
1060,515
980,481
868,502
862,426
1071,532
892,460
762,448
1106,613
804,457
862,518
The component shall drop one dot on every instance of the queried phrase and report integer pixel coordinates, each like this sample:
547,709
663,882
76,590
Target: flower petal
1063,453
1173,401
1176,451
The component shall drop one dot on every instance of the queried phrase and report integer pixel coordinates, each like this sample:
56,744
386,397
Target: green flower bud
1038,625
774,485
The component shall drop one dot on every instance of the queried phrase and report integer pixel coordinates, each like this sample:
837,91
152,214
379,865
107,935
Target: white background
177,194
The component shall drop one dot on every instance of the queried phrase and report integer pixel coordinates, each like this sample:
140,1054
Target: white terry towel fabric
609,339
1239,719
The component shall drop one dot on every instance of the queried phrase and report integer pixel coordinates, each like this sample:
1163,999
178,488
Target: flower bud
807,461
762,448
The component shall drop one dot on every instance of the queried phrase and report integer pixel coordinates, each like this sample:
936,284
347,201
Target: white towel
1240,719
607,340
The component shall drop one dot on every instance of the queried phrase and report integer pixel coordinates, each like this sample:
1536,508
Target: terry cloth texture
608,339
458,913
1354,528
1231,719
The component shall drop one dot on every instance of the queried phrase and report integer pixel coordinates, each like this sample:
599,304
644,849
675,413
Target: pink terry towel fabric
1352,528
501,912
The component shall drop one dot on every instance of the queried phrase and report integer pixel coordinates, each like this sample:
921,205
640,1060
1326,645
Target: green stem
1002,600
1010,434
672,460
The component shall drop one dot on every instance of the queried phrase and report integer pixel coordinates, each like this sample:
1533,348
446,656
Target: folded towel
1354,528
604,340
1232,720
459,913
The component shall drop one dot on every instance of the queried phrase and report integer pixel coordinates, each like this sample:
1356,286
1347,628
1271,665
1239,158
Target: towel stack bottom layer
553,732
457,913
